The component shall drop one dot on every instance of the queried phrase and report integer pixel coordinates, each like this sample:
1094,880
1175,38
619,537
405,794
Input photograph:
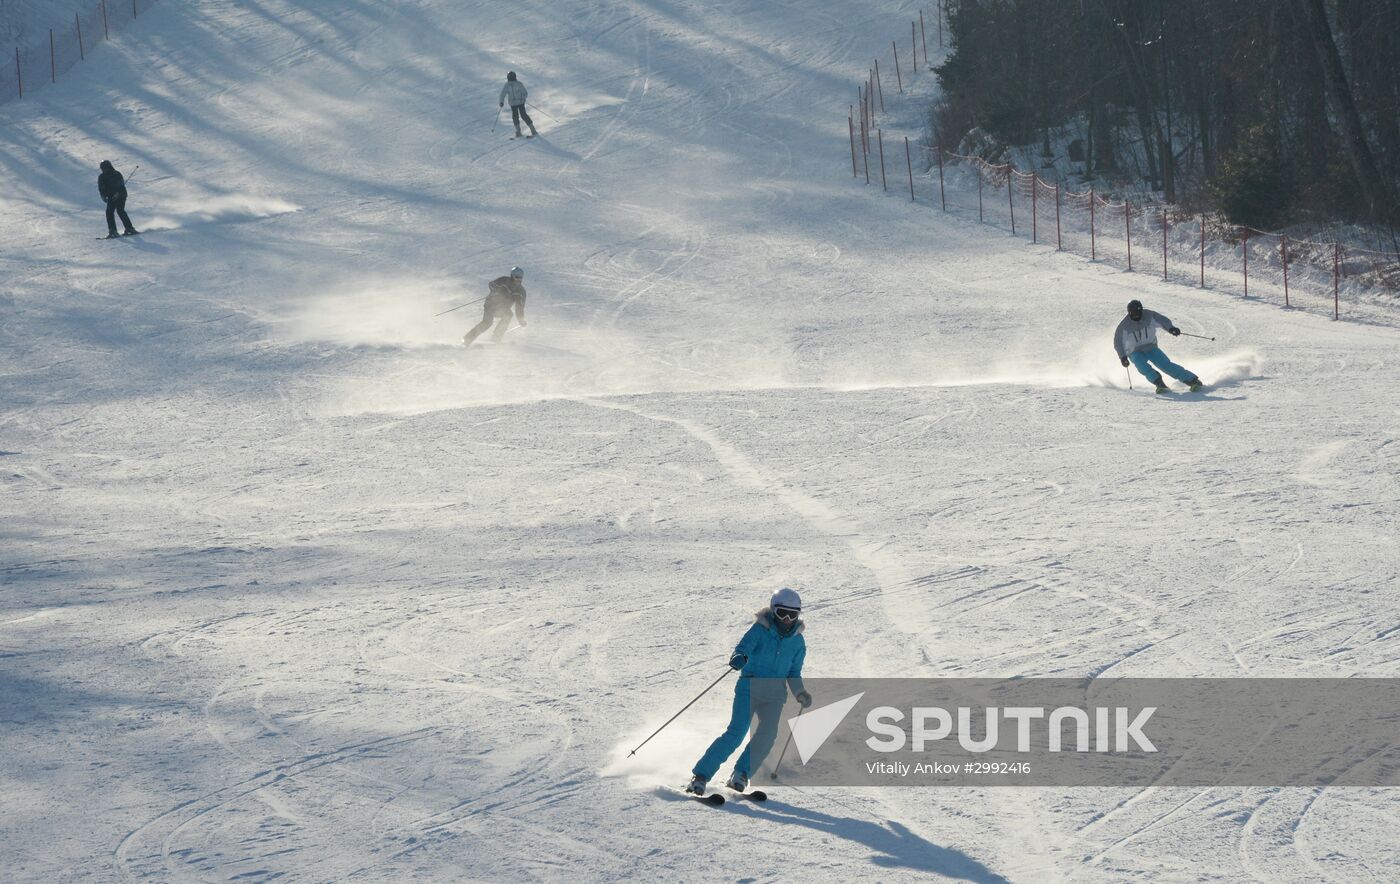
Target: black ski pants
117,206
517,113
493,313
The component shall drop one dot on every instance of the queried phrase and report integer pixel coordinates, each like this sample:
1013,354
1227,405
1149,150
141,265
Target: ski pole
1130,376
498,118
727,670
786,744
1202,337
460,306
128,178
547,116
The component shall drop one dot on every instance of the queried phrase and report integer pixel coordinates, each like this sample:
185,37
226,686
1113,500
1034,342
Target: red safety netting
30,68
1298,273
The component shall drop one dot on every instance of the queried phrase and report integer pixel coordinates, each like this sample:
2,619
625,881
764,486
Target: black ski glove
803,699
738,661
1124,360
1174,332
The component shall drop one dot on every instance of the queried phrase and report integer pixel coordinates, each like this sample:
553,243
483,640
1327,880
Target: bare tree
1343,105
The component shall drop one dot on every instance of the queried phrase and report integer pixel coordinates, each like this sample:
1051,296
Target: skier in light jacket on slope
772,648
516,92
1135,340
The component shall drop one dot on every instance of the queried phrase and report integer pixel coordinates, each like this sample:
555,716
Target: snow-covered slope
294,585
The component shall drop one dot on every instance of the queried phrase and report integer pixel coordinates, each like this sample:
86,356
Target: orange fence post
1164,243
19,75
923,37
1336,264
1203,250
909,162
899,78
1093,243
879,88
880,139
943,196
865,161
53,65
1244,249
851,128
1059,244
1128,230
914,50
864,92
1035,186
870,121
1010,181
78,23
1283,253
105,34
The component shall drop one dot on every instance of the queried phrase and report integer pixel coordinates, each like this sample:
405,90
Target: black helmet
510,76
1135,308
106,166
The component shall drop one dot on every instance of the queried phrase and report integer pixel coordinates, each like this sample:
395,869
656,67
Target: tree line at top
1270,111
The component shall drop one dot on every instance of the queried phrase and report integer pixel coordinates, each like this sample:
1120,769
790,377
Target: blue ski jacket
773,655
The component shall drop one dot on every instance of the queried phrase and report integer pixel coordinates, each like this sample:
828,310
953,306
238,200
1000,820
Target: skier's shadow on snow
551,147
895,846
144,245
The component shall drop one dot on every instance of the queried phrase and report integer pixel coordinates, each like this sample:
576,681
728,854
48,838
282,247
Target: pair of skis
715,799
1164,390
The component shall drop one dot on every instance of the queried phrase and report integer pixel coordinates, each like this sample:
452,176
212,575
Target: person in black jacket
112,187
504,294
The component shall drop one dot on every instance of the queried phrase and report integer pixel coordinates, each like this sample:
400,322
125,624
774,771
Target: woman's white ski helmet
517,273
786,598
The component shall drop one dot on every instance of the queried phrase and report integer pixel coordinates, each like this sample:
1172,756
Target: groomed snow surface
294,586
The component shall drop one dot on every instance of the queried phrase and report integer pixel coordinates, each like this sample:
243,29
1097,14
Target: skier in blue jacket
772,648
1135,340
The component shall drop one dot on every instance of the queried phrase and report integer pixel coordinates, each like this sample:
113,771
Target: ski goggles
787,615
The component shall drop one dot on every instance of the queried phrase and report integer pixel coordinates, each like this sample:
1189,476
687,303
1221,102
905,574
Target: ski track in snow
294,586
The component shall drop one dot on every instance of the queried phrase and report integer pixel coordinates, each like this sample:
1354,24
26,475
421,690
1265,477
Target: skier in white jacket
516,92
1135,341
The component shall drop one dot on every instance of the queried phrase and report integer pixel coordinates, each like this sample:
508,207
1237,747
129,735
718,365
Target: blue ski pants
1145,359
760,744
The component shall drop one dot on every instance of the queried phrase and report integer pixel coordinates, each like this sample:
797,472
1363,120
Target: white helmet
517,273
786,598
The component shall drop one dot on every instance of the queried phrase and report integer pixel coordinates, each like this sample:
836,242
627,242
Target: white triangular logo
810,731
